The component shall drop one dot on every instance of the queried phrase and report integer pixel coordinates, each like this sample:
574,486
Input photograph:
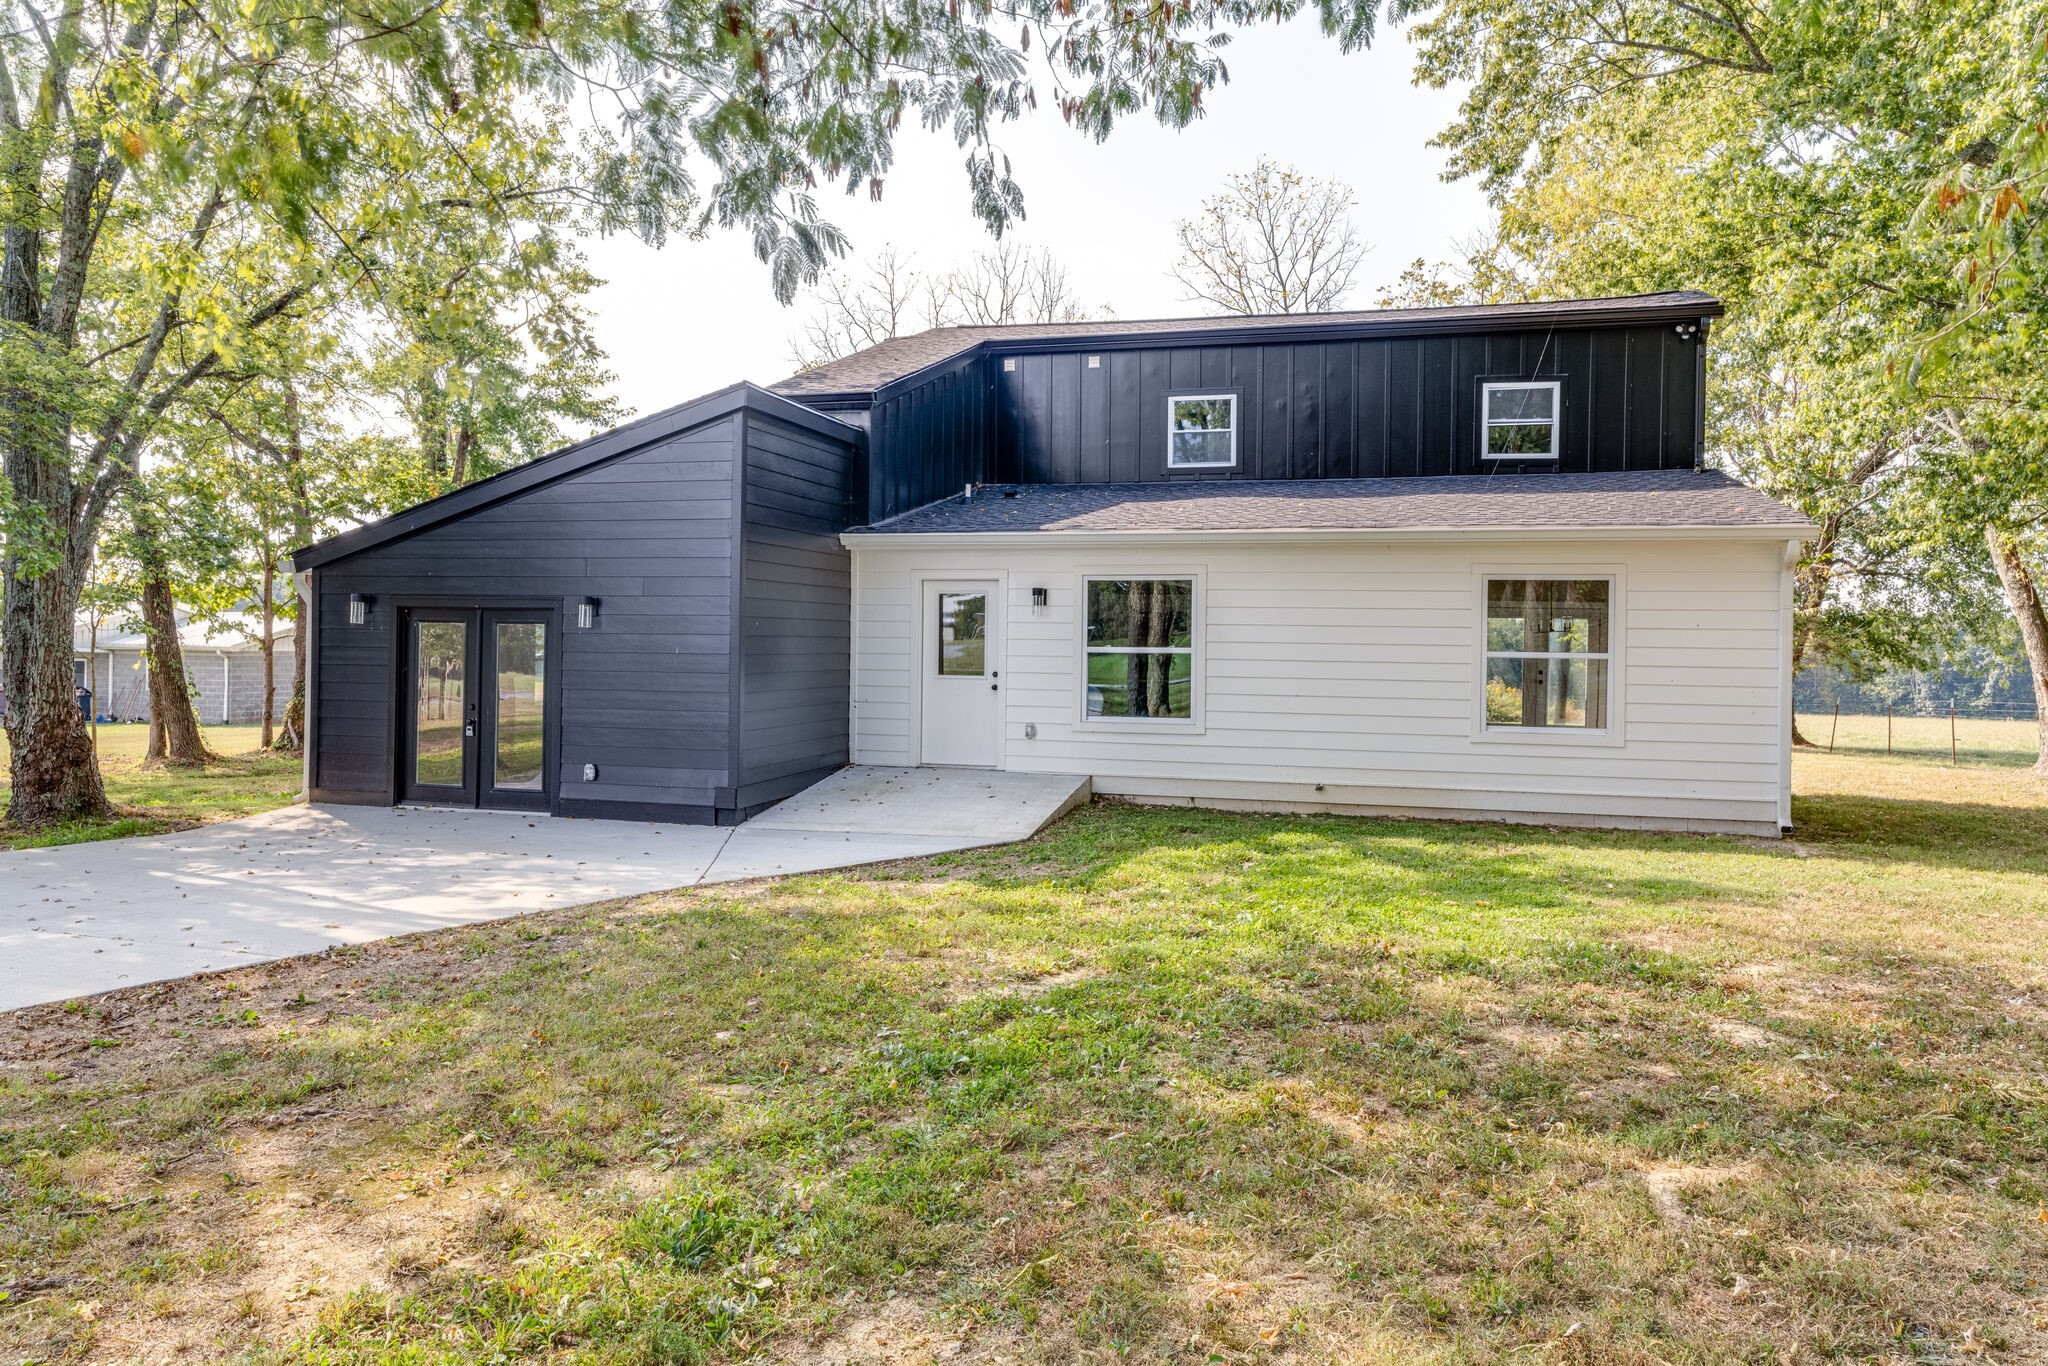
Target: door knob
991,687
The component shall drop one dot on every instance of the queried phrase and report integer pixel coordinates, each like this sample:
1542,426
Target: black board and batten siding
1349,409
712,553
939,434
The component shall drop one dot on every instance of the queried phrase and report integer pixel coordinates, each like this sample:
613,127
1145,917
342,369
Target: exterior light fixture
358,609
1038,599
586,614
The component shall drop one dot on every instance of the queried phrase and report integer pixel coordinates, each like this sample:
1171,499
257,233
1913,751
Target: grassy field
1161,1085
1976,741
152,800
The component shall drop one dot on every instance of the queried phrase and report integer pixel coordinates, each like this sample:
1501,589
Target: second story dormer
1577,386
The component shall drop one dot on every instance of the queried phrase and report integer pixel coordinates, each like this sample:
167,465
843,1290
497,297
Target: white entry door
960,662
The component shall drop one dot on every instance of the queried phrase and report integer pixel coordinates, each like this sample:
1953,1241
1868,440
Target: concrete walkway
87,918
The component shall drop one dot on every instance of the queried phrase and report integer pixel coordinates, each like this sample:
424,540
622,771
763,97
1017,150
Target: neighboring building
224,660
1459,562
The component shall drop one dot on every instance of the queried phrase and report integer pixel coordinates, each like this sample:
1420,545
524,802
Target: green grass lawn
1161,1085
152,800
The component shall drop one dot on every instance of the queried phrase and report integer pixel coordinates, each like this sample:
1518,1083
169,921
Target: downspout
1699,398
226,683
308,621
1786,626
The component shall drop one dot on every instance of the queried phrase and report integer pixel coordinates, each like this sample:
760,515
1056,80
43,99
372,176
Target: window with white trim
1140,650
1548,657
1201,431
1518,421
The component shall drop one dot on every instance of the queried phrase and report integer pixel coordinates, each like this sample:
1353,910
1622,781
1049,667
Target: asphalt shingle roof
868,370
1668,498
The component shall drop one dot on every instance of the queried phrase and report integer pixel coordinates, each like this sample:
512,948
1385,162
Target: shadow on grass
1976,835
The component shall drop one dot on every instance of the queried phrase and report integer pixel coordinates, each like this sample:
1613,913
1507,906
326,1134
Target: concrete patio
87,918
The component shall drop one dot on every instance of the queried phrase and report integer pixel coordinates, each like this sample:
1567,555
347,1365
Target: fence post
1952,732
1887,728
1835,727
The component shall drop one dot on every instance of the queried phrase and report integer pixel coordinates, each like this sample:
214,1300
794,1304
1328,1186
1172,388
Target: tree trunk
50,758
301,511
465,442
170,691
1811,597
2024,597
269,643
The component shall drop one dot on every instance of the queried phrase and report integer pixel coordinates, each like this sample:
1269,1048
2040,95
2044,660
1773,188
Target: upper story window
1201,432
1519,421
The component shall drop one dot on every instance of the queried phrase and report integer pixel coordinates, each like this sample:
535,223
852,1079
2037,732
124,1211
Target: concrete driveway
87,918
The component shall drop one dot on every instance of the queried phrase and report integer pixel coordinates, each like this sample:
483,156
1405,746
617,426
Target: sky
696,316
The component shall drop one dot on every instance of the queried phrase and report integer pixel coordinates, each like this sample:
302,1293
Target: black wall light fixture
586,613
358,610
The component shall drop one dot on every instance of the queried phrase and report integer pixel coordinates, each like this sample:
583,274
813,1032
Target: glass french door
478,708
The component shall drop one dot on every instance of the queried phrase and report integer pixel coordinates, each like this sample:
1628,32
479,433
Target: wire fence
1958,732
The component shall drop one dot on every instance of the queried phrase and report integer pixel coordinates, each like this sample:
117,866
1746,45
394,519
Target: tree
1007,284
143,147
889,297
479,332
1783,162
1274,241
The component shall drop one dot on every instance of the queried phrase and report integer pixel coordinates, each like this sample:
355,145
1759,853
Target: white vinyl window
1519,421
1549,660
1140,649
1201,431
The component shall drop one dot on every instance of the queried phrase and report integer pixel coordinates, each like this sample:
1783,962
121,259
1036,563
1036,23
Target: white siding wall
1355,666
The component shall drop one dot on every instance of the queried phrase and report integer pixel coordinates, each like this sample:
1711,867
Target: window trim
1196,722
1486,390
1615,732
1236,400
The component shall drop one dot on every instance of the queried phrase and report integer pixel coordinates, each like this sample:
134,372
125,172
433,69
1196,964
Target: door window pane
963,634
522,705
440,649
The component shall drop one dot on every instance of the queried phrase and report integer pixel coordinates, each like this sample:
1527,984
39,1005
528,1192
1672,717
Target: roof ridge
896,359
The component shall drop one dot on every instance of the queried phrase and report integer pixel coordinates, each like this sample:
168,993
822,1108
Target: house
224,660
1458,562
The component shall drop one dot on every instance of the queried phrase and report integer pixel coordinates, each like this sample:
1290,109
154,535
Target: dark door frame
480,707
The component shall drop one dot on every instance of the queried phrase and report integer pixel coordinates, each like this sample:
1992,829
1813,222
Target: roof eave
866,539
615,444
1620,314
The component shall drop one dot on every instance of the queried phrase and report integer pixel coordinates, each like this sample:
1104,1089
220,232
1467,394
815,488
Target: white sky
696,316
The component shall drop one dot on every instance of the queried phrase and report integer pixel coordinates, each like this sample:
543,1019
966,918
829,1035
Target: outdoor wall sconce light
358,609
586,613
1038,597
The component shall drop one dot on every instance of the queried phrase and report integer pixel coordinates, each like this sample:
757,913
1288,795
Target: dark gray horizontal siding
796,604
647,694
